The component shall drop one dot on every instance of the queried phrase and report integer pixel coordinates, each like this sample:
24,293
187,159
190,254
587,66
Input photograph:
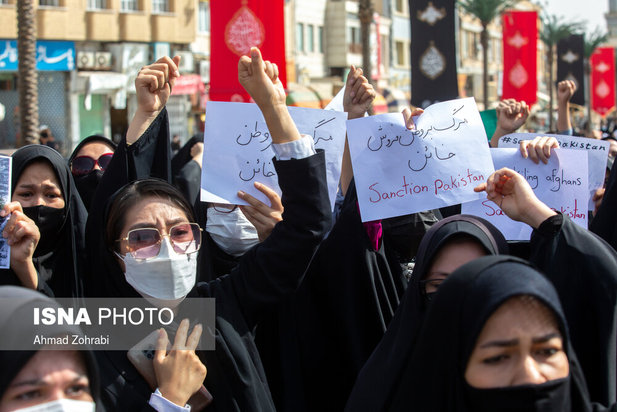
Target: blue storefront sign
50,55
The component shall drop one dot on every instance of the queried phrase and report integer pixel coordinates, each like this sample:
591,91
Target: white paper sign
238,151
5,197
597,155
400,171
561,184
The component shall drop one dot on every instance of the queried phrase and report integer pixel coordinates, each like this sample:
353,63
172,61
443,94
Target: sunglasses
145,243
82,165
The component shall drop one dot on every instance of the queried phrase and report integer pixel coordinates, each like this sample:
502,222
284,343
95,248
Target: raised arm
510,116
357,100
583,269
565,91
274,268
260,79
153,85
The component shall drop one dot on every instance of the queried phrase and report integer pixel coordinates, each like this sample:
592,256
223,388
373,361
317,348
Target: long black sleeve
275,267
583,268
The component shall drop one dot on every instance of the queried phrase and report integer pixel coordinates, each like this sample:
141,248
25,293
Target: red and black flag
570,65
433,57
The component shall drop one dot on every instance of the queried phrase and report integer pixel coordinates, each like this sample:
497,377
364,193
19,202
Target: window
399,6
52,3
128,5
353,39
320,48
97,4
160,6
204,17
400,53
300,36
310,37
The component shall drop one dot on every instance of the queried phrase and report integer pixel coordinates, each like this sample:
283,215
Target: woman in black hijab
463,237
532,365
268,271
88,163
58,212
16,392
186,169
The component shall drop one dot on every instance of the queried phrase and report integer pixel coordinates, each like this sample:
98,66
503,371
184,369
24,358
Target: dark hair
130,195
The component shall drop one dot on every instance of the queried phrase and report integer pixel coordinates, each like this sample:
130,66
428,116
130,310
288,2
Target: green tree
553,30
592,42
486,11
28,80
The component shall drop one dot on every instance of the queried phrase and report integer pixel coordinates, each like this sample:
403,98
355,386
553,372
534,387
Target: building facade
105,43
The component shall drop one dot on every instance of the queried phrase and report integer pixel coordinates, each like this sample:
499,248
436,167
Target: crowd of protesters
314,310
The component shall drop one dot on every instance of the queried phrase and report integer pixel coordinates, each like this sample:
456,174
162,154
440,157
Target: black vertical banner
570,65
433,52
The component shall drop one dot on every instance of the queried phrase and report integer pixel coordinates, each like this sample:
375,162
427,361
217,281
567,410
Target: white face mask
61,405
232,232
164,280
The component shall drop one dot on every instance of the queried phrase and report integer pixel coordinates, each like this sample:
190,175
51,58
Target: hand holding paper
512,193
538,148
262,216
408,116
22,234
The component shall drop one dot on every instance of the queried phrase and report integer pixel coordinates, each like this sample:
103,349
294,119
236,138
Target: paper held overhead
238,149
561,185
399,171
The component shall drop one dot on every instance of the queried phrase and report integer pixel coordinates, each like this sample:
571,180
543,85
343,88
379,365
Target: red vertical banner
236,26
520,42
603,80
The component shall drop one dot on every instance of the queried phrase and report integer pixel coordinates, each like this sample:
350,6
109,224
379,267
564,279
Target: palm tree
486,11
365,14
592,42
555,29
28,80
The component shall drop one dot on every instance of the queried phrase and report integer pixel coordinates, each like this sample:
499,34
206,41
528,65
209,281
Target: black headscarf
383,368
22,302
87,184
59,257
433,377
148,157
185,172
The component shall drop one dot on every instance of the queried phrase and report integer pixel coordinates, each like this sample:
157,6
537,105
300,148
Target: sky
590,10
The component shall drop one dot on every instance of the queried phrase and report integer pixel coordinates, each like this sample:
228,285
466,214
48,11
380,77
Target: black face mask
546,397
87,184
50,222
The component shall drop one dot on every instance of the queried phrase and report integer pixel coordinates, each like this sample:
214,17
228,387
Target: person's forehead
154,210
94,149
518,316
52,363
37,173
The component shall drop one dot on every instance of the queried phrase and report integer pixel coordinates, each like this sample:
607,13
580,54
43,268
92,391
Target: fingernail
240,193
254,53
352,94
2,213
177,73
